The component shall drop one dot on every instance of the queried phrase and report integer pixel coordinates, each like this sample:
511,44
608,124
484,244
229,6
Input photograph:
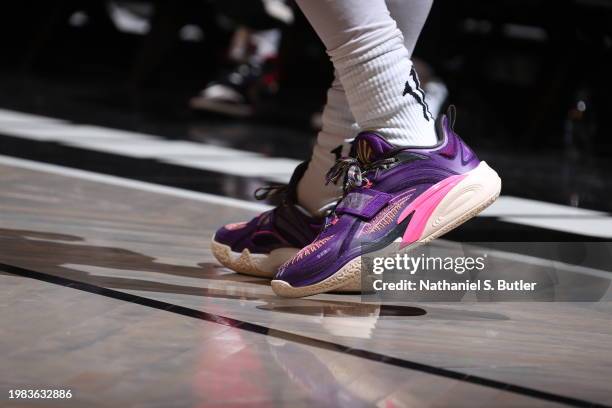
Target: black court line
309,341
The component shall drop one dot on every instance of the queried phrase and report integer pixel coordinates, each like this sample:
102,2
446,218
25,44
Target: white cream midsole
477,187
262,265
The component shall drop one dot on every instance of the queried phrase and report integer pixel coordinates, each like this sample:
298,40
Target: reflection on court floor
109,289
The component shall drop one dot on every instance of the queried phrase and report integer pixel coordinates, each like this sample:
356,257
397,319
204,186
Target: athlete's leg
367,49
339,126
410,16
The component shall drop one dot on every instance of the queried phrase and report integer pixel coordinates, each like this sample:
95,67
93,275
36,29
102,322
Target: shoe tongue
369,147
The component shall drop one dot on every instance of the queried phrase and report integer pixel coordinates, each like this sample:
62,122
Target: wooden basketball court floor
109,289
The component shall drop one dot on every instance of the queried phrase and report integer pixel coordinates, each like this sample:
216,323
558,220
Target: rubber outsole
260,265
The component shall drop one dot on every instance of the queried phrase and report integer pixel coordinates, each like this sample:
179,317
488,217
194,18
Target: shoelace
269,191
348,167
354,172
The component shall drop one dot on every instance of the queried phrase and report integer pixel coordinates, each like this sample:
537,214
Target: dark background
531,79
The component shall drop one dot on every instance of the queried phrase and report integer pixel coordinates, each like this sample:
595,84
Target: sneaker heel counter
458,146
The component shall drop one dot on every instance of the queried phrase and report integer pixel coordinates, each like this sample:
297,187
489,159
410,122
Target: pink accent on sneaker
423,206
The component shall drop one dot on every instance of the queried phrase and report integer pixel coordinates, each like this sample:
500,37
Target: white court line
62,132
141,145
551,216
162,148
158,149
236,162
12,116
517,207
138,185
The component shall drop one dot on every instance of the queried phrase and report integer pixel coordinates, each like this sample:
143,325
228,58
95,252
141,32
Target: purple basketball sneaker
392,194
260,246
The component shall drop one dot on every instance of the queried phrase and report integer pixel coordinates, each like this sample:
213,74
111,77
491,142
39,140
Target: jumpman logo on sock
420,98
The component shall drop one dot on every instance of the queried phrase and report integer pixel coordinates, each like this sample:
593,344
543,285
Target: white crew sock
383,89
